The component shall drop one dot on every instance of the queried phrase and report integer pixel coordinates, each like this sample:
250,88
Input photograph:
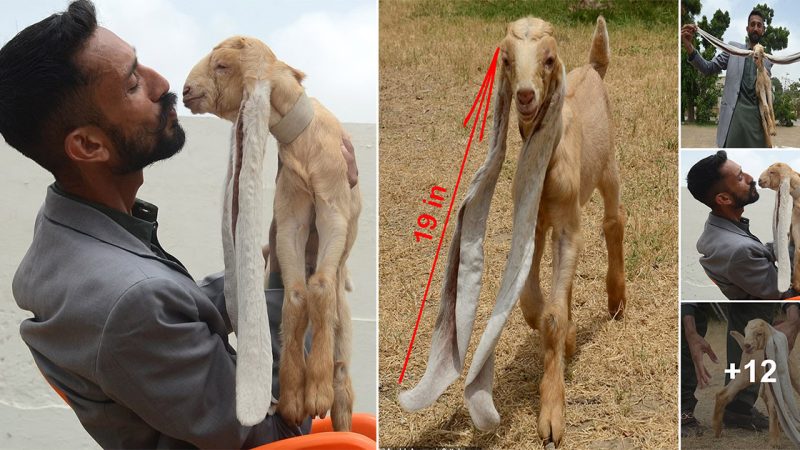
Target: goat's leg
726,394
530,299
342,409
322,286
555,325
614,230
767,394
293,221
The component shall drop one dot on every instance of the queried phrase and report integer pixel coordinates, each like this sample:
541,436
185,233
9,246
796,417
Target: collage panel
737,57
730,251
739,371
462,382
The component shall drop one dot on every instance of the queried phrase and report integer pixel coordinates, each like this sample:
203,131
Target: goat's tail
600,51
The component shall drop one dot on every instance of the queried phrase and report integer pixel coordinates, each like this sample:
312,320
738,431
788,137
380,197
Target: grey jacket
734,67
741,266
138,349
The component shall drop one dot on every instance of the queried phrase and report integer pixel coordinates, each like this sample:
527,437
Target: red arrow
485,93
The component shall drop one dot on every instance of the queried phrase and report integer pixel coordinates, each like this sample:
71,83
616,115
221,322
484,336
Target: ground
705,136
621,386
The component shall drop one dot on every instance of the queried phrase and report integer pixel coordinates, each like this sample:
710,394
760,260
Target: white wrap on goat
777,349
242,228
781,222
462,284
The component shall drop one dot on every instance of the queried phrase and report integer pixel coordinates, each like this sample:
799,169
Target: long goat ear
251,131
783,218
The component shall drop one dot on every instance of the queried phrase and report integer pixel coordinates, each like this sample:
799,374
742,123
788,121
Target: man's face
136,108
738,188
755,29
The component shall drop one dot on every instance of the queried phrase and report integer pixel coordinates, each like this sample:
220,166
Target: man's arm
159,357
698,346
713,67
754,273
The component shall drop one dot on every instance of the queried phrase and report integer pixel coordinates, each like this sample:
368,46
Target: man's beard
754,38
138,151
751,197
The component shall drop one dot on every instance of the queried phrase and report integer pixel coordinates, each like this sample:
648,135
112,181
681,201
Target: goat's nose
186,90
525,96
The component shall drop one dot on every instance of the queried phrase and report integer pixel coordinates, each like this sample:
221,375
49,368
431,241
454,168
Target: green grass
564,12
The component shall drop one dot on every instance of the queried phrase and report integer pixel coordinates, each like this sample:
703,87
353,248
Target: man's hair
704,178
758,13
43,93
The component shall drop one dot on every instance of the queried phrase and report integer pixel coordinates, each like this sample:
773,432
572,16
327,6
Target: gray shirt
136,347
736,261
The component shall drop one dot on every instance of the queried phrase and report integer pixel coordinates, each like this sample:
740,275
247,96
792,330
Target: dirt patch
622,383
705,136
731,438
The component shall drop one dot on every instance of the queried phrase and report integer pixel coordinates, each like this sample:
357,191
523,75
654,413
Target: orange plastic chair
324,438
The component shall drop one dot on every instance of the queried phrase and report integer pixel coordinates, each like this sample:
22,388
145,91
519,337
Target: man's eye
135,87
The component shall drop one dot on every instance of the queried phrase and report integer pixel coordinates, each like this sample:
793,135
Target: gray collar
295,121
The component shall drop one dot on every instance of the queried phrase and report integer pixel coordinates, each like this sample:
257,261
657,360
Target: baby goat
241,80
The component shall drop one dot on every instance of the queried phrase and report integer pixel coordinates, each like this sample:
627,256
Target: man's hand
698,346
791,326
687,34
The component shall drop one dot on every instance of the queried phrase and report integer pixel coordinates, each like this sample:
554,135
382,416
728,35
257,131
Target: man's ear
87,144
722,199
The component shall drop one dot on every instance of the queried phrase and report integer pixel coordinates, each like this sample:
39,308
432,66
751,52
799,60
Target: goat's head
758,55
532,68
222,79
772,177
756,334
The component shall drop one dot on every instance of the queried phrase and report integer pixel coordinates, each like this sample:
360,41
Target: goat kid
565,124
781,178
753,344
765,96
312,187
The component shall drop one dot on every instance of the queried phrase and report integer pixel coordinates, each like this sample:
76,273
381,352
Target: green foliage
700,93
620,12
785,103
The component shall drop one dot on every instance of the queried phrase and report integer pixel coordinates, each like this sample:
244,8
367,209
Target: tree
782,105
700,93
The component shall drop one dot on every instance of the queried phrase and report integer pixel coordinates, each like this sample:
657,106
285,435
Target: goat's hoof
616,309
290,407
551,423
319,399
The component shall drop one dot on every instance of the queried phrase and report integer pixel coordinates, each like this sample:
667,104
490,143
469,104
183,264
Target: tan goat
754,342
764,93
312,187
565,124
786,182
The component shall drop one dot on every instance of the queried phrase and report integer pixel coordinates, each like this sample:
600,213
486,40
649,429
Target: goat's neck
285,92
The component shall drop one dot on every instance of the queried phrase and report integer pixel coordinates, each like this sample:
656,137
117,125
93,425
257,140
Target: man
136,348
735,259
739,123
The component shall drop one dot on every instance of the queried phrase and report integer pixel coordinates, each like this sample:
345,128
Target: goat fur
312,188
565,124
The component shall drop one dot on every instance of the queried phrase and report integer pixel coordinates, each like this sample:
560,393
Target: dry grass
622,383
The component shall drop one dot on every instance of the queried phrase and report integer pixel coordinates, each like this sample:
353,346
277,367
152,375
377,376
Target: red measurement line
488,80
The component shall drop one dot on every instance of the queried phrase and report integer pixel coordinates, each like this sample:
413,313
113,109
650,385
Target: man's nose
157,85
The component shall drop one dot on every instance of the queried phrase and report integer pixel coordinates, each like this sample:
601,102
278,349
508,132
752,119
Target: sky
787,15
335,43
752,161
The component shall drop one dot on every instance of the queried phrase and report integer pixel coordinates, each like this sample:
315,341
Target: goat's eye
548,63
220,66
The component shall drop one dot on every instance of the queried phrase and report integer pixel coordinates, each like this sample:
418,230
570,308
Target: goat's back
587,108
